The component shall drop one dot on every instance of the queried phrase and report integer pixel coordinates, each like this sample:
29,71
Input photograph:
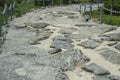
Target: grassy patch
106,18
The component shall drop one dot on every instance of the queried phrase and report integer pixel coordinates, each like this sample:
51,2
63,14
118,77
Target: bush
116,5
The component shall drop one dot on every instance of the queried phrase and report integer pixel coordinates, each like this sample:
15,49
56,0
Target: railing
109,10
84,6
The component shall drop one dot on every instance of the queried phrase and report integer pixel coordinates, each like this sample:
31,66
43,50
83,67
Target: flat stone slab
62,42
18,26
86,24
55,50
96,69
78,36
111,56
111,37
91,44
41,35
39,25
101,78
68,31
118,47
112,43
106,78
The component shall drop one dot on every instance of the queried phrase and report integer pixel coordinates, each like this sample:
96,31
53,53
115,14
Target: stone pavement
58,44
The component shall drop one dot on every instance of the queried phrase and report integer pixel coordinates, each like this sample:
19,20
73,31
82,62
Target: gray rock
112,43
70,58
55,50
114,77
96,39
42,72
117,46
67,60
62,42
111,56
68,31
35,42
96,69
111,37
86,25
89,44
39,25
20,26
42,35
1,40
109,29
62,38
73,16
101,78
79,36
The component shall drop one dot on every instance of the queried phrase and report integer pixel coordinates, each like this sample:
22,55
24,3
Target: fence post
101,11
10,9
80,8
90,11
44,3
0,24
52,3
5,14
84,9
14,10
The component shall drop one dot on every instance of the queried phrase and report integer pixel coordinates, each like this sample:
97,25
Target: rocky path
58,44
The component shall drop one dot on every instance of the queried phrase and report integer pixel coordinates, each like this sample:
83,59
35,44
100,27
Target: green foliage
116,5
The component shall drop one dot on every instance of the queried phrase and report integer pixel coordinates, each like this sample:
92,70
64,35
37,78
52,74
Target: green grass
106,18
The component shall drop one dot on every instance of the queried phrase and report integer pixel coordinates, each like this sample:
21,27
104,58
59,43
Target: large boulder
70,58
39,25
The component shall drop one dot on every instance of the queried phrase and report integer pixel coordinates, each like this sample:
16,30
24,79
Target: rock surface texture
57,44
